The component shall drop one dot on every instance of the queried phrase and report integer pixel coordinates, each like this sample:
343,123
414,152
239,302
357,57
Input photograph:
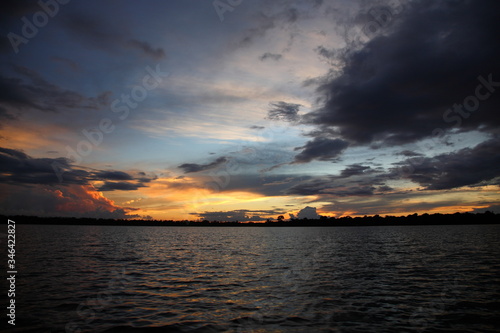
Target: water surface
230,279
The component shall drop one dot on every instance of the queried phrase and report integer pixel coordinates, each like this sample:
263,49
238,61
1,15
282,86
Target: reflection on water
225,279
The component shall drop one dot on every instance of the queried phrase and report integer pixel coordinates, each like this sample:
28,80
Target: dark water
226,279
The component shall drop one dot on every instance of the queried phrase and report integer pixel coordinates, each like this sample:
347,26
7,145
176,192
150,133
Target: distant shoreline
414,219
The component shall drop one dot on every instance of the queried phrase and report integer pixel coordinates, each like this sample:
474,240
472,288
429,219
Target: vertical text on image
11,271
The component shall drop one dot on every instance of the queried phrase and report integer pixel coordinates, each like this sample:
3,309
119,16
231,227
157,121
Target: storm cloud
466,167
397,87
322,149
16,167
193,167
32,91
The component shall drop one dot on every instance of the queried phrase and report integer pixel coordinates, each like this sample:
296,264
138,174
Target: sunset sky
249,109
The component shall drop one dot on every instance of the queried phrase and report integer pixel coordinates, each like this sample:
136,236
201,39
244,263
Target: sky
247,110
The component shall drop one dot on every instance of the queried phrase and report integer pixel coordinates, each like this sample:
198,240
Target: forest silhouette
346,221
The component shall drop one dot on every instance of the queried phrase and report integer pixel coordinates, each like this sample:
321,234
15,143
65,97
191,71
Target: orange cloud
71,201
178,197
81,199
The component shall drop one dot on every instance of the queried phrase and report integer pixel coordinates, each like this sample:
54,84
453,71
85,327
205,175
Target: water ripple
174,279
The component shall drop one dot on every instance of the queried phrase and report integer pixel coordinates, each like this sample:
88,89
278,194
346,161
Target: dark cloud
193,167
355,170
18,168
284,111
272,56
397,87
113,175
477,166
385,188
13,92
322,149
242,215
354,180
314,186
409,153
466,167
120,186
34,92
